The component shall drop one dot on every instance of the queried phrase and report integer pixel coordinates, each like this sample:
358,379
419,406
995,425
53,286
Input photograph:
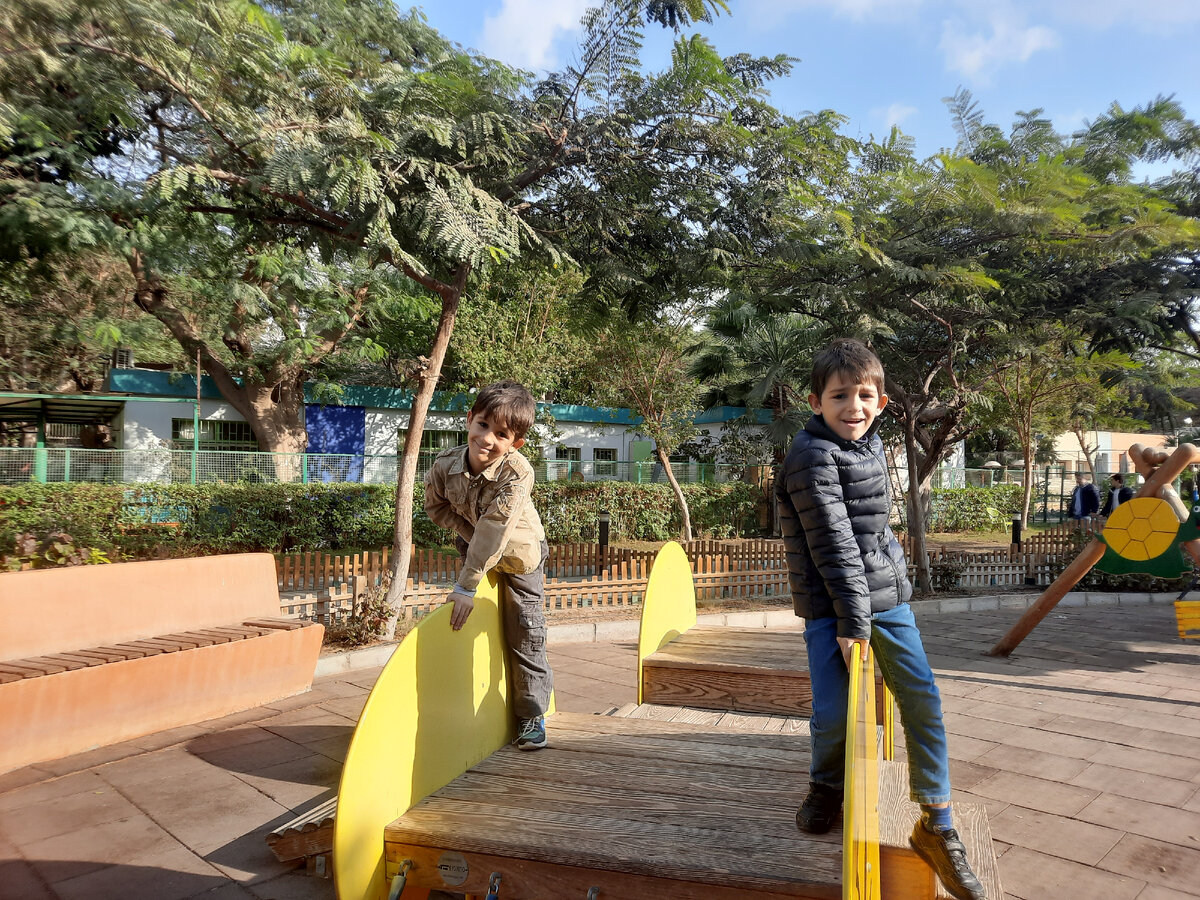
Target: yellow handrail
860,837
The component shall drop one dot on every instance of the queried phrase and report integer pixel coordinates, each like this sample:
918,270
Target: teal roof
151,383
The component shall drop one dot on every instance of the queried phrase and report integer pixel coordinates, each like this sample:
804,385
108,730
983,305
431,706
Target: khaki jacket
492,511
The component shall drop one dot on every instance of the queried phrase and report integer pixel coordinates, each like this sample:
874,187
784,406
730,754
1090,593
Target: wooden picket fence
581,577
317,572
622,584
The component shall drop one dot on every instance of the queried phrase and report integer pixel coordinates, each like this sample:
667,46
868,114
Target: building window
572,454
214,435
606,462
432,443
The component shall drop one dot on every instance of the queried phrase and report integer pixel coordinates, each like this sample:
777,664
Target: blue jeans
901,659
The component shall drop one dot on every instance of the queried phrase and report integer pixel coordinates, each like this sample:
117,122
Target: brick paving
1084,746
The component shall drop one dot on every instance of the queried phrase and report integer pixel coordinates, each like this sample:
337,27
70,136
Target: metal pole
39,453
1046,498
196,420
603,520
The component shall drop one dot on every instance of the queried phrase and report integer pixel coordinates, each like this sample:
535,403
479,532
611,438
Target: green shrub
138,521
973,508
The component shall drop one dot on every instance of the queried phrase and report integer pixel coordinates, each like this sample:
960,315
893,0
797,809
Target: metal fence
1052,486
74,464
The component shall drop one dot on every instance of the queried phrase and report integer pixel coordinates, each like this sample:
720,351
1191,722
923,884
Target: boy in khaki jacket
482,492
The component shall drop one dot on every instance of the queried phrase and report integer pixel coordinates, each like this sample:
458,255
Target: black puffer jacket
843,558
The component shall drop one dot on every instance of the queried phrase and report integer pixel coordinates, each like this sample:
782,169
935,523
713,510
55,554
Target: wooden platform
726,668
641,807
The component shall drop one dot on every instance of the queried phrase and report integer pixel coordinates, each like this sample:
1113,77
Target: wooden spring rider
1148,535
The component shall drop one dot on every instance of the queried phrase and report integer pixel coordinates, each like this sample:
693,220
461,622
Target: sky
891,62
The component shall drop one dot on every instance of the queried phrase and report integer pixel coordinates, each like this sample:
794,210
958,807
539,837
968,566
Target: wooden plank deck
725,668
659,802
636,807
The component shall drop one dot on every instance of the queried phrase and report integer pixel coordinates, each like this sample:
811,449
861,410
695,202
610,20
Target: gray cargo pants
525,633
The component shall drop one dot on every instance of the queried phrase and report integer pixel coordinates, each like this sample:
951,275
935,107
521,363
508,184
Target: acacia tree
1040,391
940,264
649,374
361,138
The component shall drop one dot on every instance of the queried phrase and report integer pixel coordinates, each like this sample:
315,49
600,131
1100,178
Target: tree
61,317
942,265
358,137
1041,391
759,360
649,375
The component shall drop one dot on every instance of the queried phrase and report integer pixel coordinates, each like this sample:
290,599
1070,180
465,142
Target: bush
162,520
138,521
642,512
973,509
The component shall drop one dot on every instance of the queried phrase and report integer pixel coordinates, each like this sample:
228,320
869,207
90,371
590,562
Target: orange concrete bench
94,655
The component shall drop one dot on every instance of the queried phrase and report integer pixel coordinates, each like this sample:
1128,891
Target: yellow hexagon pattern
1141,528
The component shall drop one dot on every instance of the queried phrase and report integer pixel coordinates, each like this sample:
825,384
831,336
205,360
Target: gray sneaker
947,855
531,734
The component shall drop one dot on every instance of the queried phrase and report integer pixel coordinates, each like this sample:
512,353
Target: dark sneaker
531,734
943,850
819,810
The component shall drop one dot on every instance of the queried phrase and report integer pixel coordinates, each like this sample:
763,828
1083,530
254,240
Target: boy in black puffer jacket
849,582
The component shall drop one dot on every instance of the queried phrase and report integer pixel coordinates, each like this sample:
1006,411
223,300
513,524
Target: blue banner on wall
336,430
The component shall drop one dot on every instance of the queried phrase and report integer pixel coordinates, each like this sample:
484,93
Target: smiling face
488,439
849,407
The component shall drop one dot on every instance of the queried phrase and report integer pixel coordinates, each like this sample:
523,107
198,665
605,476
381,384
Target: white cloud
523,32
894,114
977,54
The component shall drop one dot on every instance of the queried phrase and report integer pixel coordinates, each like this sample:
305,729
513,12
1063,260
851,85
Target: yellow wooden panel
1187,615
439,707
860,830
669,607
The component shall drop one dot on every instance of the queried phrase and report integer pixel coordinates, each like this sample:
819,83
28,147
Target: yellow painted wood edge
669,606
1187,617
860,828
440,706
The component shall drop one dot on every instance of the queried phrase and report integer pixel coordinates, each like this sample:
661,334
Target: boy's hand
462,608
847,645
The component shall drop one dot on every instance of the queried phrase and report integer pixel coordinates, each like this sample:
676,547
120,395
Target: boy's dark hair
509,401
1119,479
849,357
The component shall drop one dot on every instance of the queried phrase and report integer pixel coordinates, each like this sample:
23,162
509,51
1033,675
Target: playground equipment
1147,534
681,663
433,796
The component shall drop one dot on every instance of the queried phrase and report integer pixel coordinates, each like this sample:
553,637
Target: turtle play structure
1148,534
671,802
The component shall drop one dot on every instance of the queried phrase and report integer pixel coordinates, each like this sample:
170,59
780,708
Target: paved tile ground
1085,747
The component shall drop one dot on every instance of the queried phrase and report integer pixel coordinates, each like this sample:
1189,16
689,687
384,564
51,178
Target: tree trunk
406,477
665,461
1027,487
278,424
1087,452
918,493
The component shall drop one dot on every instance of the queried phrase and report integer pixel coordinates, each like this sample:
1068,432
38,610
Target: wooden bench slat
78,657
67,663
27,669
195,638
278,624
130,650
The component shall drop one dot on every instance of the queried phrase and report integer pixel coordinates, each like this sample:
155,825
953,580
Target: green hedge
955,510
139,521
